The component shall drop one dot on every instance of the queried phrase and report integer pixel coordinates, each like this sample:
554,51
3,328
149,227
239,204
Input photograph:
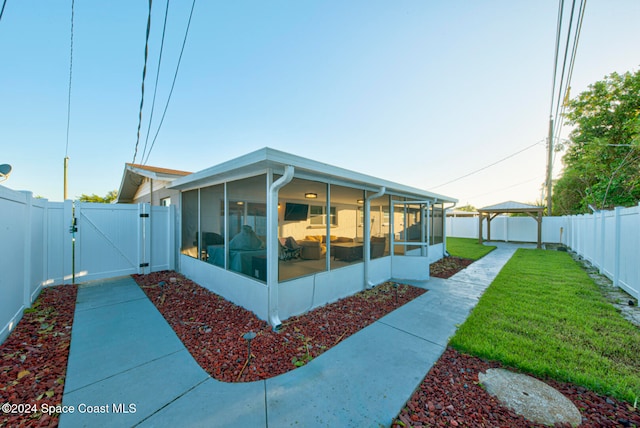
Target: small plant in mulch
34,359
212,328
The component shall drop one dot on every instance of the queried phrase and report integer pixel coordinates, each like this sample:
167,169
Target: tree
107,199
467,208
602,162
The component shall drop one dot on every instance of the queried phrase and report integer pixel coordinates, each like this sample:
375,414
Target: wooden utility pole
549,166
66,167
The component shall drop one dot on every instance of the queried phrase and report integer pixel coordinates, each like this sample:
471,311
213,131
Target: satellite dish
5,170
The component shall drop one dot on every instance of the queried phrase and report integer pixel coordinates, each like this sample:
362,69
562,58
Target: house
280,234
143,183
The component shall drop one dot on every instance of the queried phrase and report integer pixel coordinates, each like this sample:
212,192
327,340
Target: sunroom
280,234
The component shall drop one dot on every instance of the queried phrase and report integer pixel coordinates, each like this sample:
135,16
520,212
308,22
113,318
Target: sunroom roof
265,158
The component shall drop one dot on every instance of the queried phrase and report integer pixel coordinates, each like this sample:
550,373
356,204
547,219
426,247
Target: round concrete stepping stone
529,397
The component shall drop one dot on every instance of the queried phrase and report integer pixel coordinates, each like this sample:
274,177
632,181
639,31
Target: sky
416,92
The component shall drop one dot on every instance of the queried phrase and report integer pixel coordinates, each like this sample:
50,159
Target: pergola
508,207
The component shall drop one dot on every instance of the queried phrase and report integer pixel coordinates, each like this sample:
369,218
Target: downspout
445,253
367,235
272,247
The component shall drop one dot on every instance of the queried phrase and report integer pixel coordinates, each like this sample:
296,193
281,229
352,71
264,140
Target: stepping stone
529,397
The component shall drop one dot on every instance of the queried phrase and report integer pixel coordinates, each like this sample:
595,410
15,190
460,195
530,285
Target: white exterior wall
236,288
302,294
299,295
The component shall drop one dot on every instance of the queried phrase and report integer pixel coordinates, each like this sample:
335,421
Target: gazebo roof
510,207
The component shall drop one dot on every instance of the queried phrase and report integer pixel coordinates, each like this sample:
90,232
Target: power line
564,61
144,74
2,10
155,89
175,76
504,188
66,151
574,50
489,166
557,117
555,58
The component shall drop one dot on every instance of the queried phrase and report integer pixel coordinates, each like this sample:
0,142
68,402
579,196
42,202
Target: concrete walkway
128,368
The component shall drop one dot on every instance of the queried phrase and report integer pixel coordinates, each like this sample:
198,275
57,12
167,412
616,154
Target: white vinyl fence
111,240
609,240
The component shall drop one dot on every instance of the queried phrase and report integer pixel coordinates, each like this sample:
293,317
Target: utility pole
66,167
549,166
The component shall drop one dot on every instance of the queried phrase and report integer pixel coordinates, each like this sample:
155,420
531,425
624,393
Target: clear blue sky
417,92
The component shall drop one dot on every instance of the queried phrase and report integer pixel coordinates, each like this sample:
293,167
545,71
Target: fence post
602,243
45,244
638,270
67,246
144,238
616,259
26,281
506,229
171,227
595,236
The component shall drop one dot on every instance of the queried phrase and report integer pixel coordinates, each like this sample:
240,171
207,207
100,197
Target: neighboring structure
142,183
460,213
509,207
280,234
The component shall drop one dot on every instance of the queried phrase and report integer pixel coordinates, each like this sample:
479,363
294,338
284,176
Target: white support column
367,235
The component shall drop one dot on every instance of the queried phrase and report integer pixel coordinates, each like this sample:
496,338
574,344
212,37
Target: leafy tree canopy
107,199
602,162
467,208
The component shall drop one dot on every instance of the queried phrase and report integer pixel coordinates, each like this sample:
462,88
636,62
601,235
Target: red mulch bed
34,358
450,396
448,266
212,328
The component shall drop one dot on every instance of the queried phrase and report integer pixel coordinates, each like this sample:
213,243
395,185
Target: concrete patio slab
108,340
433,317
134,395
107,292
215,404
363,381
124,352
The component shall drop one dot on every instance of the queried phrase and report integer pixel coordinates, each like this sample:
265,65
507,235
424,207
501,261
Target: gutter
272,247
367,235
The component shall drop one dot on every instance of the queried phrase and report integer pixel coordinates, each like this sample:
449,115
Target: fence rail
37,246
609,240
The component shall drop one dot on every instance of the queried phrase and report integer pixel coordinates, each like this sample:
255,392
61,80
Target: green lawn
467,248
545,316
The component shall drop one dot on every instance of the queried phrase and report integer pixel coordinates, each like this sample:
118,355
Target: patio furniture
289,248
347,251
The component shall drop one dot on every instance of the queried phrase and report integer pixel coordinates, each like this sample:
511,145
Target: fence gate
111,240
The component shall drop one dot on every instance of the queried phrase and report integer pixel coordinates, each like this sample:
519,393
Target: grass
545,316
468,248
